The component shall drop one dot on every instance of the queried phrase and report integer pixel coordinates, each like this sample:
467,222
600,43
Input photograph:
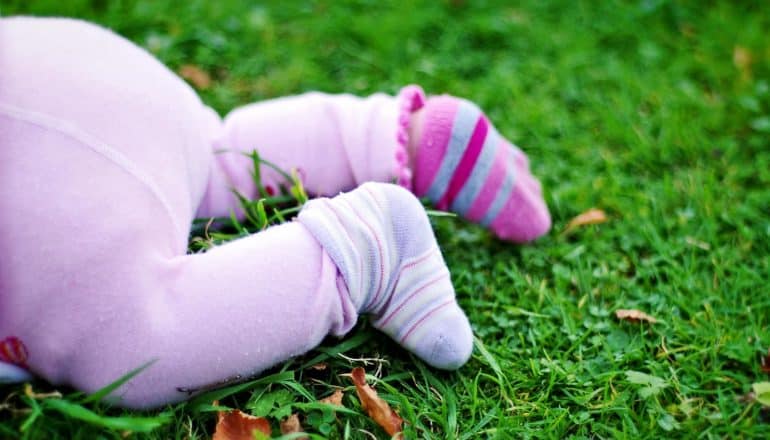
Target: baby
106,157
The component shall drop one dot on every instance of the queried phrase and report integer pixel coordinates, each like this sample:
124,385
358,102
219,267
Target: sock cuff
353,230
440,112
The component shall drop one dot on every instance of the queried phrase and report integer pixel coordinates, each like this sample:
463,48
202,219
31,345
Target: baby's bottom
103,171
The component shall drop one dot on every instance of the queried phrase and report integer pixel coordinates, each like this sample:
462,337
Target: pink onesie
106,157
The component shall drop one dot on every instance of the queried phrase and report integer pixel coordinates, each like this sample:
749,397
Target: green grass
640,108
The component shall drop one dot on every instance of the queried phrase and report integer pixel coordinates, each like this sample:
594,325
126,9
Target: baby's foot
379,237
461,163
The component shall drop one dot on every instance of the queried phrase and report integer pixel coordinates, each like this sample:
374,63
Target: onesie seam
97,146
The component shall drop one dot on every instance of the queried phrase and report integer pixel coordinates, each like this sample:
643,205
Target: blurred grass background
657,112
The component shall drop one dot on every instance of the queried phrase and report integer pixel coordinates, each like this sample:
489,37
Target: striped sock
381,241
464,165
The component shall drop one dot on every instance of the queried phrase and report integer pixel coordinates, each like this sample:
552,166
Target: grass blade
102,393
76,411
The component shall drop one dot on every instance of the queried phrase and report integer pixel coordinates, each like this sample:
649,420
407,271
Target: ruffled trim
410,99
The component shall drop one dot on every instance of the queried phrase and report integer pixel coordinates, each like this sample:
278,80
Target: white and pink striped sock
380,238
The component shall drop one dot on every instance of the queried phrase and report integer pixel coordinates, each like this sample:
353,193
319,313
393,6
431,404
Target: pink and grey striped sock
380,238
463,164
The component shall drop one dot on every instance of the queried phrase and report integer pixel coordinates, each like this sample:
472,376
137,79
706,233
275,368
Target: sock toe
424,317
525,215
447,344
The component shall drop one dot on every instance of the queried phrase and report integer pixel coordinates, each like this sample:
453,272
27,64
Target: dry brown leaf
375,407
292,425
634,315
236,425
687,30
197,76
742,58
334,399
591,217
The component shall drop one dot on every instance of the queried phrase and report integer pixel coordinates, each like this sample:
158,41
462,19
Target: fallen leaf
593,216
649,385
375,407
762,392
291,425
197,76
766,363
334,399
742,58
687,30
236,425
634,315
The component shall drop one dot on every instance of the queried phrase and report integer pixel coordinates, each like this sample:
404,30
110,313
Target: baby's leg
220,317
244,306
335,142
442,148
207,319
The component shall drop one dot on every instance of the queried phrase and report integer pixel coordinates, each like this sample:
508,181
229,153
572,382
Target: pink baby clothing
106,157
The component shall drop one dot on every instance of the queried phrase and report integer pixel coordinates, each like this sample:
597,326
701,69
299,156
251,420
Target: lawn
656,112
